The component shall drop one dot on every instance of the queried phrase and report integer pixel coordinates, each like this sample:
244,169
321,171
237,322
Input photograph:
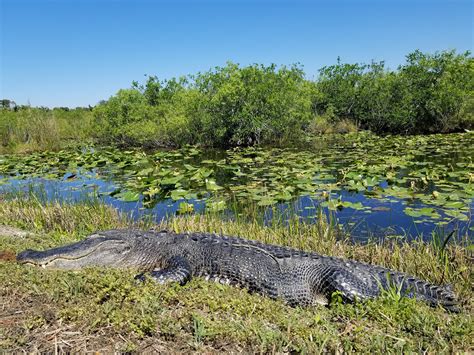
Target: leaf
426,211
171,180
185,207
458,215
178,194
266,201
128,196
353,205
212,186
454,204
215,206
146,172
284,195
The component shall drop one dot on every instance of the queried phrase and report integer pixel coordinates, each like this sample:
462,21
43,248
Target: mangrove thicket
258,104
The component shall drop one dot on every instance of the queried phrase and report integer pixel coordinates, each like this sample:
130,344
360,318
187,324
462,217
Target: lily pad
212,186
185,207
178,194
128,196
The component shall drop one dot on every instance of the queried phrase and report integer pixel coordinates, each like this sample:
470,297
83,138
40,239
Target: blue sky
75,53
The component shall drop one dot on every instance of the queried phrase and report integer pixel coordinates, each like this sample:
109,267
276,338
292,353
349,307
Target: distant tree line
10,105
257,104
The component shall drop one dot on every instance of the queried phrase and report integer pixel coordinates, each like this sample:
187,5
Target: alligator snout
29,256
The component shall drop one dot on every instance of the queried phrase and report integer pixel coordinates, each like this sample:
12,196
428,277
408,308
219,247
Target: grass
34,129
105,310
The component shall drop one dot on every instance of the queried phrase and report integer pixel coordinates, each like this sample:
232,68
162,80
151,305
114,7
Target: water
374,186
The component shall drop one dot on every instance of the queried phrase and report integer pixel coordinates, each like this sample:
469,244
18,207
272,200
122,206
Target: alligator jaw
45,264
96,250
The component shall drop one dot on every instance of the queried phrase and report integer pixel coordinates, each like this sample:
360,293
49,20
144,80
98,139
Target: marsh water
372,186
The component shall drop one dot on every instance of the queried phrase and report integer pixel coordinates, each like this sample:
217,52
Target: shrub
324,123
430,93
441,86
253,105
228,106
257,104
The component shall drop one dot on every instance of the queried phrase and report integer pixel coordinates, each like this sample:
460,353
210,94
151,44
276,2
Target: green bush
256,104
430,93
126,107
228,106
441,86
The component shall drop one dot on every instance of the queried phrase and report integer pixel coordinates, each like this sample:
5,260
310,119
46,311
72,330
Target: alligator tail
412,287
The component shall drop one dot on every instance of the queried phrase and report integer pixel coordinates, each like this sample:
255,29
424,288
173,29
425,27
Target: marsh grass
105,310
36,129
59,217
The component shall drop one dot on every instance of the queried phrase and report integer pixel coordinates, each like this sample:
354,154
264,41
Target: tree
7,104
442,84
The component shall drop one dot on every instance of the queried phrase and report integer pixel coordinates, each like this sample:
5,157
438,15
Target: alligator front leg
177,270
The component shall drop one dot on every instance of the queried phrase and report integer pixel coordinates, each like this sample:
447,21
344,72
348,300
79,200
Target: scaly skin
297,277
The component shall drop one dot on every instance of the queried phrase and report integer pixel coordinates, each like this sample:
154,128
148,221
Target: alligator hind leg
177,270
350,284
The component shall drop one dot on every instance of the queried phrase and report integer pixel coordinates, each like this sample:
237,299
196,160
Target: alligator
299,278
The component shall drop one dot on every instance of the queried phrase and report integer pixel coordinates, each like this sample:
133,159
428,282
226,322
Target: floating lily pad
128,196
215,206
353,205
212,186
426,211
185,207
434,173
178,194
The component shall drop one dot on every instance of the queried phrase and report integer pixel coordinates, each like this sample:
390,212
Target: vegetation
427,94
26,129
105,310
257,104
387,170
235,106
429,177
230,106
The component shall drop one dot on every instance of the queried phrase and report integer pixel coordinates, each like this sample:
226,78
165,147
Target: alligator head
112,248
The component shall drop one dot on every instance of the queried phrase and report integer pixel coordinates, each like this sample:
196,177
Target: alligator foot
178,270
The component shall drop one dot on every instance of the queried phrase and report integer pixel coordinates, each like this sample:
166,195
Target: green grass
34,129
105,310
